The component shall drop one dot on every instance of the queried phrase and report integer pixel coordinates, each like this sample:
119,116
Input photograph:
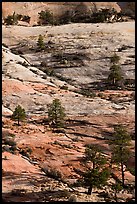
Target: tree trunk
18,122
122,171
89,190
115,195
114,81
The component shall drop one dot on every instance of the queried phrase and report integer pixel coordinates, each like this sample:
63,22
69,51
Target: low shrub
72,198
100,95
46,18
26,152
49,71
87,93
26,19
65,87
10,142
53,173
12,19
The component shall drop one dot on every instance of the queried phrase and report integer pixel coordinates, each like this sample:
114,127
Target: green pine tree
115,75
19,114
115,59
40,42
120,148
98,175
56,114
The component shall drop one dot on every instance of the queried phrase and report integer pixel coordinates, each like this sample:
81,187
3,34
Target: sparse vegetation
14,18
77,59
9,144
26,152
19,114
56,114
40,42
46,18
87,92
11,19
115,77
116,187
100,95
114,59
53,173
98,175
120,148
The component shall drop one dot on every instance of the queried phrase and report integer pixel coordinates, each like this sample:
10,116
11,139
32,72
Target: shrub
10,142
53,173
56,114
19,114
87,93
115,75
26,152
66,17
3,44
46,17
72,198
40,42
10,145
12,19
26,19
65,87
114,59
100,95
49,71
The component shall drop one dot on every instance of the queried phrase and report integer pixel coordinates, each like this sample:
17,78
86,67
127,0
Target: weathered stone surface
33,8
89,120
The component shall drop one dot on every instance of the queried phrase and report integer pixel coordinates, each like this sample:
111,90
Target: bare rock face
128,7
58,8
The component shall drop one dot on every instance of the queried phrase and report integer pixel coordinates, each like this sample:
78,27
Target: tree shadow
42,193
19,195
76,122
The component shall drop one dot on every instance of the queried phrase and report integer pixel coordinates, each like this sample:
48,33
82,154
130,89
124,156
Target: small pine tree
120,148
93,153
56,114
95,178
114,59
19,114
115,75
98,175
40,42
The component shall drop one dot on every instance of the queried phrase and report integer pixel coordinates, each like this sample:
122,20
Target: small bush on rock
19,114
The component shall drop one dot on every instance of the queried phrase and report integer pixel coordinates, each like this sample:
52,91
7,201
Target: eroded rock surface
89,120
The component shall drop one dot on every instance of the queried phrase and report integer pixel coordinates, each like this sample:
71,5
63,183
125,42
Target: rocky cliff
58,8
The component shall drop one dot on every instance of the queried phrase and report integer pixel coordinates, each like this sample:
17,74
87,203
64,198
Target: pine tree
115,76
19,114
120,148
56,114
93,153
115,59
98,175
40,42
